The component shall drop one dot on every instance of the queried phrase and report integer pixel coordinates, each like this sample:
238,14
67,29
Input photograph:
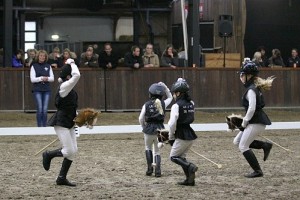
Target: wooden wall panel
215,60
127,89
11,89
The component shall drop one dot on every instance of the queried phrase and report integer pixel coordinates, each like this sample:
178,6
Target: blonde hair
264,84
41,52
256,56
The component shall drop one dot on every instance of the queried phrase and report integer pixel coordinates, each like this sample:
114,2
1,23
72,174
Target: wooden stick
276,144
46,146
218,165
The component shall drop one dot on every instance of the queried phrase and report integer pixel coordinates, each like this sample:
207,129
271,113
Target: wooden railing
126,89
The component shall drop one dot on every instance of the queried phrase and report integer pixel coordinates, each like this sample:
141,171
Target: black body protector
153,118
186,117
259,117
66,110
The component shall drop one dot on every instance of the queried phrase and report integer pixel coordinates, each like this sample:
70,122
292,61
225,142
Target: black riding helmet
65,71
180,86
156,90
249,67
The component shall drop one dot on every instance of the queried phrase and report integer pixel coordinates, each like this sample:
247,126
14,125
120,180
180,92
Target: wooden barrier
215,60
127,89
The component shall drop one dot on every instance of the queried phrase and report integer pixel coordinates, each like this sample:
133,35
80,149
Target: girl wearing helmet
151,119
181,135
255,119
63,121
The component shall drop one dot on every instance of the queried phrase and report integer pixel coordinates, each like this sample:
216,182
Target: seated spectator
150,59
31,53
65,56
107,58
276,59
90,48
18,59
54,57
133,59
257,59
169,57
294,60
88,59
264,57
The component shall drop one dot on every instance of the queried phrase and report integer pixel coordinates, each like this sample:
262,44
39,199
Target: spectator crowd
136,58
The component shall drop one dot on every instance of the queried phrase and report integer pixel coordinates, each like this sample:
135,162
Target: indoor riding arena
113,165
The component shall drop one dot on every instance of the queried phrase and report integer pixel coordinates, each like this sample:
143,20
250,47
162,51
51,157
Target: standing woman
181,134
255,119
62,121
41,75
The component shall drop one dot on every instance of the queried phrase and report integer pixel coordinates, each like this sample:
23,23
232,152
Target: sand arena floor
113,167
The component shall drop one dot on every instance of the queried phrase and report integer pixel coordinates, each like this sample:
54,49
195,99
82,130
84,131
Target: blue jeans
42,102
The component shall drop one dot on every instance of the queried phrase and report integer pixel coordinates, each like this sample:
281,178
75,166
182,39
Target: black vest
153,118
66,110
186,116
259,117
41,69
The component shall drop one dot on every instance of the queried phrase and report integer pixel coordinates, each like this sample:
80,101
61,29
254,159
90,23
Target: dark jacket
277,61
104,59
130,60
153,118
66,110
259,117
167,61
291,61
41,69
186,116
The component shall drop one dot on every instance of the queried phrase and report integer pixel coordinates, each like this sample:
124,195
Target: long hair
264,84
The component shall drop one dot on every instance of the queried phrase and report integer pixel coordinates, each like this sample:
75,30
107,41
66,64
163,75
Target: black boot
250,157
186,172
47,157
149,158
266,146
188,168
62,178
157,167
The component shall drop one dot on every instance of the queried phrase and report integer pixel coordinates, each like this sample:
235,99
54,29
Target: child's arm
173,121
168,94
142,117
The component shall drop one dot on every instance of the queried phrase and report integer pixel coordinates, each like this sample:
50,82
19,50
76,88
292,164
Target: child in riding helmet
181,134
151,119
255,119
66,101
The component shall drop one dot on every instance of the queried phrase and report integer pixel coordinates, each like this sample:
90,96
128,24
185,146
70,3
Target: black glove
171,142
241,128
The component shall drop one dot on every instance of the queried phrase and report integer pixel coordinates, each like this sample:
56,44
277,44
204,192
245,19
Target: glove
171,142
164,85
244,123
70,61
241,128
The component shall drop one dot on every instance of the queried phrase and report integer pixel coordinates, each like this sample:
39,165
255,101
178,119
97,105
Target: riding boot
188,168
266,146
47,157
250,157
186,172
157,167
62,178
149,158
